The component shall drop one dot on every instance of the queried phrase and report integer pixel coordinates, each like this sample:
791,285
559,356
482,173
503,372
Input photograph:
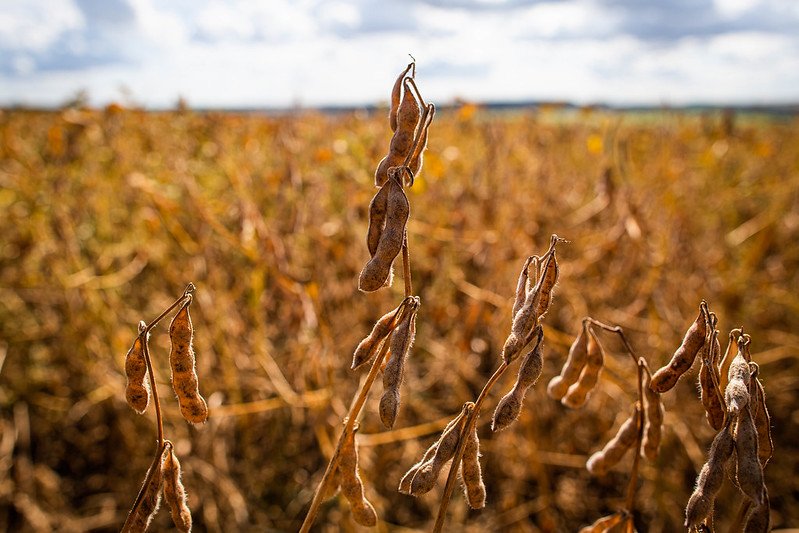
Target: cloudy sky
277,53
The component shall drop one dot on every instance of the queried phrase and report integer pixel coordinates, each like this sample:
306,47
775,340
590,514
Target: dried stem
467,427
642,367
618,331
406,265
349,425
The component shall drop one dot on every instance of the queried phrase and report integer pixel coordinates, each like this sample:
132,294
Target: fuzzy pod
396,94
510,406
749,472
653,424
400,344
729,354
427,474
401,145
570,373
174,493
521,287
137,390
417,156
737,392
378,209
376,271
666,377
603,460
405,482
546,285
604,524
758,520
367,348
471,473
577,394
762,419
140,516
184,374
710,479
709,393
351,484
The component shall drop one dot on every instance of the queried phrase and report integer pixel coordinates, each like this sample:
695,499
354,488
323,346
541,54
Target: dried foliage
106,212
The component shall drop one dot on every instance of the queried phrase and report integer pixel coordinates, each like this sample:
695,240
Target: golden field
108,214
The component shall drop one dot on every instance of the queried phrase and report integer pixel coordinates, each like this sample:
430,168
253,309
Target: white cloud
35,25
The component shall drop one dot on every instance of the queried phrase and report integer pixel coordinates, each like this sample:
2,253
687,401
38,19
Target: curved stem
190,288
620,332
154,388
349,424
467,427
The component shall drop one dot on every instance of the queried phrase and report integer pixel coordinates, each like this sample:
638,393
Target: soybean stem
349,424
618,331
406,265
639,439
456,460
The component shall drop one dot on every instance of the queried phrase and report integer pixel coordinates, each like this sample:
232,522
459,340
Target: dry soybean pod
471,474
351,484
149,499
401,342
396,94
376,272
367,348
184,374
709,392
425,477
549,278
765,446
137,391
749,472
174,493
408,115
729,355
710,478
759,518
578,392
377,219
666,377
521,285
601,461
575,361
417,155
737,392
510,406
653,426
405,482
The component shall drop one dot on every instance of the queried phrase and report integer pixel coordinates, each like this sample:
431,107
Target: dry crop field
107,215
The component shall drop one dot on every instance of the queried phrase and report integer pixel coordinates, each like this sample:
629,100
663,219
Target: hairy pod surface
765,446
351,484
729,355
137,391
426,475
758,519
710,479
570,373
577,393
510,406
653,425
666,377
549,278
401,342
378,208
376,272
471,473
709,394
417,157
408,115
521,288
184,374
174,493
140,516
396,94
750,472
606,458
737,392
405,482
367,348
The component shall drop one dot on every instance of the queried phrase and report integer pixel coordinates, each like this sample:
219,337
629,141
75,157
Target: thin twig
631,487
618,331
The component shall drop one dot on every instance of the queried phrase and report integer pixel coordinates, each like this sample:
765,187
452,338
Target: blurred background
145,145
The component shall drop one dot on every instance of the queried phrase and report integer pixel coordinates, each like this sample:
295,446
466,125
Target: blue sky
280,53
